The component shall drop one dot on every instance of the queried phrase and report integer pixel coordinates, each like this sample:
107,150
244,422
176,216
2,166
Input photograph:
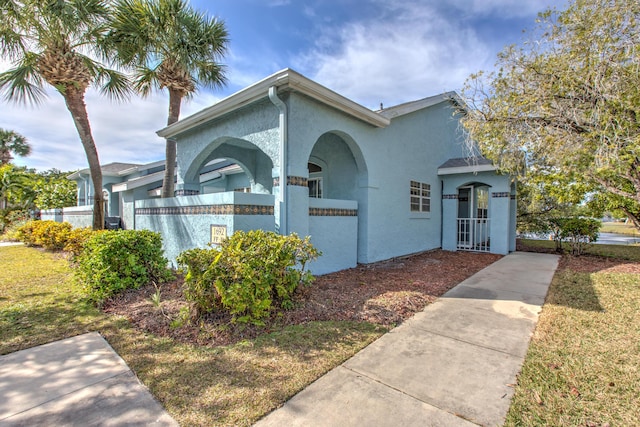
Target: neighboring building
365,185
125,183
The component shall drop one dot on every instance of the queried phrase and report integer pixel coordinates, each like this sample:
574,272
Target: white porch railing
473,234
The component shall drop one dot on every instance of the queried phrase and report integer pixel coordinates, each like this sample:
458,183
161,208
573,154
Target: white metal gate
473,234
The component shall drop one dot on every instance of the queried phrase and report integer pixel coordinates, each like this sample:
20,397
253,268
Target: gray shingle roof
465,161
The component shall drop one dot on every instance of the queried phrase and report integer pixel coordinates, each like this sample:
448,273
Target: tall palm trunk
74,98
175,101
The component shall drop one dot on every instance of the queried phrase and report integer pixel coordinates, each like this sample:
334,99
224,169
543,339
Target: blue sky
371,51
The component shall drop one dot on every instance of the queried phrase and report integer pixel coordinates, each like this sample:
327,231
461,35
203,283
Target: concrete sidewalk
78,381
454,364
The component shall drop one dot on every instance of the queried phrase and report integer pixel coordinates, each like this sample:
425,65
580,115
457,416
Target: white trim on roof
466,169
285,79
138,182
410,107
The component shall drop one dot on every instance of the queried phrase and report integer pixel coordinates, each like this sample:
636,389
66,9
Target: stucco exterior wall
501,209
185,222
78,216
410,148
335,233
257,124
51,215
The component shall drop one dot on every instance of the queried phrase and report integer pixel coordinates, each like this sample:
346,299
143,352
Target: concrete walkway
454,364
78,381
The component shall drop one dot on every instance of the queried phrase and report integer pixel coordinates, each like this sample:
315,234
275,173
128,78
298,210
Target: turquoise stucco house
365,185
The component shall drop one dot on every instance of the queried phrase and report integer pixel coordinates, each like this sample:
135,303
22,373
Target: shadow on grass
238,384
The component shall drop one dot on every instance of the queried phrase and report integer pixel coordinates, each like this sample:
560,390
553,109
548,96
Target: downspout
282,197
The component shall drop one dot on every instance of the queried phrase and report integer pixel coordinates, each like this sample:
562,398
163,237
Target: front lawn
583,364
198,379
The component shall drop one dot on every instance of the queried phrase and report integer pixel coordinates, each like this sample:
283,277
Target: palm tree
12,142
171,46
49,41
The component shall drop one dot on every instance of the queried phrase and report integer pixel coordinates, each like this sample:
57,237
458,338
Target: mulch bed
384,293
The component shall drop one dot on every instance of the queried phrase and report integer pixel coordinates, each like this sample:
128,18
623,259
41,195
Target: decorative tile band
293,180
184,192
449,196
513,197
501,194
208,210
332,212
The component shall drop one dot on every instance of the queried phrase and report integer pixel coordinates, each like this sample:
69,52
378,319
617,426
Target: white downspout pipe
282,198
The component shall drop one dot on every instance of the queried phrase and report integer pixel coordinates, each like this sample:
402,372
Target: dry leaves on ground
384,293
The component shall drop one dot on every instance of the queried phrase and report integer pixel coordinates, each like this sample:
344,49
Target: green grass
625,252
619,228
233,385
583,364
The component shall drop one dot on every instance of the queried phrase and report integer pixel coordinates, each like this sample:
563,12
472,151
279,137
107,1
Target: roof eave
260,90
467,169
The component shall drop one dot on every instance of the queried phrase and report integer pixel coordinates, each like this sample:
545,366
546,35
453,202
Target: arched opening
231,165
473,217
336,168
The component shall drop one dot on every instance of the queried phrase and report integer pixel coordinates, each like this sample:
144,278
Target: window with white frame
420,197
315,181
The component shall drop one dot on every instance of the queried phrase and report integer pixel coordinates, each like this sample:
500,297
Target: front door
473,218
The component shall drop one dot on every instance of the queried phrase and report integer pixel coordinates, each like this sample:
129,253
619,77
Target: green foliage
198,289
565,104
55,193
113,261
76,240
251,274
578,233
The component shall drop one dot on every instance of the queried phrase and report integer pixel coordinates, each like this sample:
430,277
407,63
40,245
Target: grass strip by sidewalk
233,385
583,364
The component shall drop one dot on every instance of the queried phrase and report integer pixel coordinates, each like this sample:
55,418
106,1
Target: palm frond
23,84
113,84
146,80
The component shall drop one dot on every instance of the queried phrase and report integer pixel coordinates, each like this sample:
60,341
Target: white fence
473,234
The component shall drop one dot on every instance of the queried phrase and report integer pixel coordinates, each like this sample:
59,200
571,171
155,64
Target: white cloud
413,53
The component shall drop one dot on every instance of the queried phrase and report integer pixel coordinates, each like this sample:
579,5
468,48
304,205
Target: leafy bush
24,233
198,289
76,240
251,274
577,232
113,261
50,235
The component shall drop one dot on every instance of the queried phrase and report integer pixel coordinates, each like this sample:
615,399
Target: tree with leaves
56,42
171,46
565,106
12,142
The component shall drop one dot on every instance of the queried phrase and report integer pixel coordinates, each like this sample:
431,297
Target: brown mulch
384,293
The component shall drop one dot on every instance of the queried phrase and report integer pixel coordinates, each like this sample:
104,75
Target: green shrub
251,274
197,288
76,240
113,261
578,233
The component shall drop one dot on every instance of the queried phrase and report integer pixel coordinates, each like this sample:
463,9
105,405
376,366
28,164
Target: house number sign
218,234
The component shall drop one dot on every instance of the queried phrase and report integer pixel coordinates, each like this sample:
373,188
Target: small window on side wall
420,197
